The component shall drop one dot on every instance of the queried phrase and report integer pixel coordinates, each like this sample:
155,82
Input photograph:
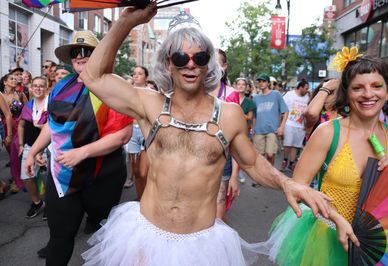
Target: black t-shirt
31,133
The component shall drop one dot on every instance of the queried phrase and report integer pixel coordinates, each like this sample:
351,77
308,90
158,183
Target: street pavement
251,216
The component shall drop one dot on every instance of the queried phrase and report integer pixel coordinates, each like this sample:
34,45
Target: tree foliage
248,45
315,47
124,65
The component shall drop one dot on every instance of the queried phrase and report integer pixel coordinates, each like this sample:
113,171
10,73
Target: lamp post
284,63
279,7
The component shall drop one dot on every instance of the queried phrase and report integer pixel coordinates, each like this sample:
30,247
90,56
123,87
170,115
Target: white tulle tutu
127,238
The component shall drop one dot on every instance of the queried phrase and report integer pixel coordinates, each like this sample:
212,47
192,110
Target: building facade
363,23
35,33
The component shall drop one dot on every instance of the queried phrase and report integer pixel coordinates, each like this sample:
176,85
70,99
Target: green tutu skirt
306,241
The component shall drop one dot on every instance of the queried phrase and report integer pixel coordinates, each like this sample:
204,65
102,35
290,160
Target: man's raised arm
97,76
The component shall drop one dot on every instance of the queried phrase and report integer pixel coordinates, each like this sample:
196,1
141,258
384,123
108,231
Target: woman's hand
344,231
29,165
8,141
21,148
40,160
72,157
382,163
332,85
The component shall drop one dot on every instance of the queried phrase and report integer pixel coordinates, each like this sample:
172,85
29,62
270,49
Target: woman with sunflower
341,148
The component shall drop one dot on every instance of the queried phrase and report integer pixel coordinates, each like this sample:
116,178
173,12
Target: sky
212,14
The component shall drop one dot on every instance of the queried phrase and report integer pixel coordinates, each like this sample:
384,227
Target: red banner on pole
278,33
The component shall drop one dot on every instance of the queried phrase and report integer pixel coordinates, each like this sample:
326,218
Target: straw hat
81,39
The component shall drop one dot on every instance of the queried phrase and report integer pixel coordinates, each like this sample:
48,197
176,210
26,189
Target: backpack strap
330,154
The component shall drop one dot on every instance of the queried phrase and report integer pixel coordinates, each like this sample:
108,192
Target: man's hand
140,16
295,192
72,157
233,188
280,132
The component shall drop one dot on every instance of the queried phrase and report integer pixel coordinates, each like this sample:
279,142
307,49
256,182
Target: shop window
350,39
384,42
374,39
361,39
348,2
18,37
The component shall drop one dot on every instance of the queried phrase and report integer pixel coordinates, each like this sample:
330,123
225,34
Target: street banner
278,33
330,13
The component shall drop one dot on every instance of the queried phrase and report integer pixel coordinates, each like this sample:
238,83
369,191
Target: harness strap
202,127
330,154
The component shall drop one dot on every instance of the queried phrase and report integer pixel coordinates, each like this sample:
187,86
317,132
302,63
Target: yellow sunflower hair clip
342,58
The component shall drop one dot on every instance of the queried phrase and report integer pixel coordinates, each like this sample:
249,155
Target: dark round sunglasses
180,59
83,51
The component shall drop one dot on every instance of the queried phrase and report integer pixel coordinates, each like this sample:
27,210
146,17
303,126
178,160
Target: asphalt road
20,238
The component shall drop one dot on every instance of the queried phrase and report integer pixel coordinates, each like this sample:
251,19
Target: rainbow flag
41,3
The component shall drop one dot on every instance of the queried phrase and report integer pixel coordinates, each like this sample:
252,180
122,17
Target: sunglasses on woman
180,59
83,51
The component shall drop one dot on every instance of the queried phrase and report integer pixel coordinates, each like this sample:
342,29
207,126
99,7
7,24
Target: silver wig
174,43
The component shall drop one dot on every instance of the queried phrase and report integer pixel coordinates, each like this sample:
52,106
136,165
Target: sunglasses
180,59
46,66
83,51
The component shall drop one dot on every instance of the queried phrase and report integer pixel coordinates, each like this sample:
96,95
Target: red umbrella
81,5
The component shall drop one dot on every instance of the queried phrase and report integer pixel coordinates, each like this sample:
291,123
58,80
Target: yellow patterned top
342,183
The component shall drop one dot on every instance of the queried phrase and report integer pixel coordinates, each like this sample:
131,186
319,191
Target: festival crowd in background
69,146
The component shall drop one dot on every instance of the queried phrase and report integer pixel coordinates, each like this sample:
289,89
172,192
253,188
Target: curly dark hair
363,65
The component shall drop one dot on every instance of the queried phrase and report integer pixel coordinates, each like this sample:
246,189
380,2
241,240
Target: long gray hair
174,43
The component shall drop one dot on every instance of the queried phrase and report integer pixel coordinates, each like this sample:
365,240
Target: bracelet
326,90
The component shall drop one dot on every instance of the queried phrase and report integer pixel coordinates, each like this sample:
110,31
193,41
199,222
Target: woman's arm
311,115
21,135
8,119
103,146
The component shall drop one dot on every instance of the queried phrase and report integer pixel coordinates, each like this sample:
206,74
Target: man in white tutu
188,135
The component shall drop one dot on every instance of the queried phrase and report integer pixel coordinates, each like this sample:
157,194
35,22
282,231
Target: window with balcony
64,36
106,26
97,24
18,37
82,20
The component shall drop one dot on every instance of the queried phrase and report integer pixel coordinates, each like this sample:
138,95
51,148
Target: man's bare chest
200,145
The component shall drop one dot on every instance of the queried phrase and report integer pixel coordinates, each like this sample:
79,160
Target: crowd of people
77,134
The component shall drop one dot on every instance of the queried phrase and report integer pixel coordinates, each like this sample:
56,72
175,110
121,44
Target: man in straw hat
188,136
87,164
